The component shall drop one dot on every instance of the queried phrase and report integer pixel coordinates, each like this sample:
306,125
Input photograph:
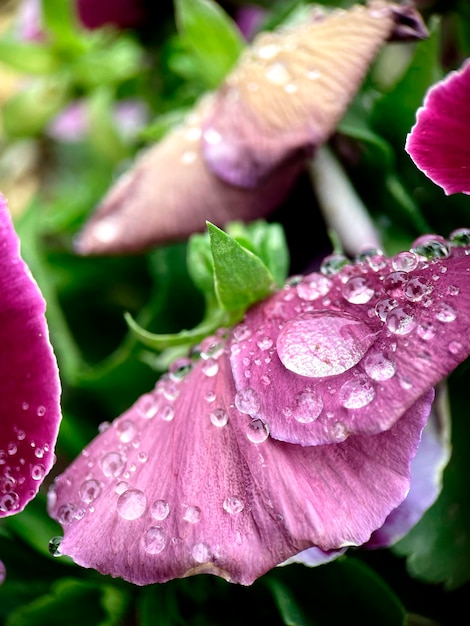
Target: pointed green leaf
60,21
30,58
211,36
241,278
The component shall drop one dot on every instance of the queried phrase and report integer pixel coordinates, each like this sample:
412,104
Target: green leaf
438,547
289,609
211,36
30,58
241,278
60,21
104,136
27,112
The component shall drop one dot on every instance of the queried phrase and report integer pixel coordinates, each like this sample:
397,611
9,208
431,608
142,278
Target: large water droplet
417,288
357,290
160,510
131,504
357,393
247,401
192,514
154,540
90,490
54,546
314,286
66,513
219,417
126,430
38,472
445,313
405,262
308,406
201,553
112,464
460,237
431,247
323,343
401,320
394,282
210,367
277,74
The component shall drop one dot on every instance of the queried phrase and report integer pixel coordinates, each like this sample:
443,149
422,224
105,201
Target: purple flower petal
186,483
122,13
30,410
291,88
426,482
170,194
347,353
439,142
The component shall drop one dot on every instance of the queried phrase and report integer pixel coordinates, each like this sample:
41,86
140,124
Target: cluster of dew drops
398,318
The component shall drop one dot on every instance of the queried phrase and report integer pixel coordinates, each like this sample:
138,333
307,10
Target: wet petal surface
30,388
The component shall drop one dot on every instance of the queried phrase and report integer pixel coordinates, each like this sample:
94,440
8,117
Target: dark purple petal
426,481
186,483
122,13
169,194
335,354
30,388
291,88
439,142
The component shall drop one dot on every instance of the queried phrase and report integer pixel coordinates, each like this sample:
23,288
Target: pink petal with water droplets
291,87
29,381
168,194
185,483
439,142
348,353
426,481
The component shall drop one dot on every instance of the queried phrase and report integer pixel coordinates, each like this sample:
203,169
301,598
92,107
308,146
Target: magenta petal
426,481
348,353
30,388
185,483
439,142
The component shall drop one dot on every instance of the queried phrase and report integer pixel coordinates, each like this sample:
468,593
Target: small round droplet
192,514
233,505
247,401
38,472
131,504
90,490
417,288
257,431
426,331
357,393
66,513
333,264
167,413
405,262
241,332
9,502
323,343
308,407
210,367
383,307
357,290
379,367
219,417
41,411
147,406
112,464
265,343
445,313
180,368
126,430
401,320
12,448
455,347
277,74
54,546
154,540
201,553
160,510
313,286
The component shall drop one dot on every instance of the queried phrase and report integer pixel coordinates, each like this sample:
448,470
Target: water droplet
201,553
314,286
39,453
257,431
121,487
167,413
90,490
41,411
405,262
401,320
54,546
445,313
417,288
357,393
160,510
333,263
180,368
460,237
308,407
210,396
379,367
394,282
323,343
112,464
357,290
453,290
219,417
3,572
25,406
233,505
455,347
192,514
9,502
265,343
147,406
126,430
241,332
268,51
38,472
338,431
66,513
313,74
154,540
20,435
210,367
12,448
277,74
247,401
431,247
142,457
188,157
131,504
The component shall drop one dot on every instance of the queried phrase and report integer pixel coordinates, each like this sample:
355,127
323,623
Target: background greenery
176,54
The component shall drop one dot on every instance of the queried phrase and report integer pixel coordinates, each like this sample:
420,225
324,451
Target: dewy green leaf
241,278
30,58
211,36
